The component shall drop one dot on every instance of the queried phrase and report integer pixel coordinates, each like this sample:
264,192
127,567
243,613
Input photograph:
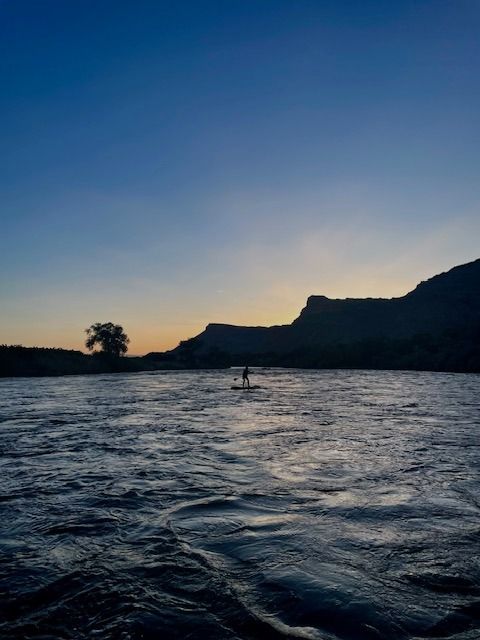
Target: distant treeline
39,361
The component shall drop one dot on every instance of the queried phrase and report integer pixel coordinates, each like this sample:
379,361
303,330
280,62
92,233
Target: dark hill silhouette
435,326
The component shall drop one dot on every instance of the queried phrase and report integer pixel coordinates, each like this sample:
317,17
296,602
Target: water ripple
324,505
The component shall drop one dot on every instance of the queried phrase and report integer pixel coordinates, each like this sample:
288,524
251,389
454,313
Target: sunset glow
191,163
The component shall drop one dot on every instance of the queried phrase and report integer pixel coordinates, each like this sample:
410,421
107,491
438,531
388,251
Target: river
338,505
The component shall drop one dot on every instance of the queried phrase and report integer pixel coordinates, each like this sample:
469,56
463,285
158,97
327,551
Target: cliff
443,312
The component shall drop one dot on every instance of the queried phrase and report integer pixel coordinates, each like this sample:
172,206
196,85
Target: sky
164,165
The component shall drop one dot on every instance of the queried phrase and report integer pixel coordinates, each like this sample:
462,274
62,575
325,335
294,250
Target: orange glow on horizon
264,302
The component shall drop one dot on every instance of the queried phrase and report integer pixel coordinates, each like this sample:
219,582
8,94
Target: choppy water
331,505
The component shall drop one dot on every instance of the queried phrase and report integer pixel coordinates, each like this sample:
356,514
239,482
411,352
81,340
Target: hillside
435,326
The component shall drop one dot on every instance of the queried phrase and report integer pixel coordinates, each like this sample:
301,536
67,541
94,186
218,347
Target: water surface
332,505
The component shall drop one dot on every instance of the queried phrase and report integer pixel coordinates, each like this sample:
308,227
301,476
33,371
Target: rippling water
331,505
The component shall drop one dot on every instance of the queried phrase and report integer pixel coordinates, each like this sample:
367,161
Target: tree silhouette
111,337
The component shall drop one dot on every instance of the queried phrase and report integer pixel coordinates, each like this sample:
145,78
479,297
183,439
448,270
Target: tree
111,337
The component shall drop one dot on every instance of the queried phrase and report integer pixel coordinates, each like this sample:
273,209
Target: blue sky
168,164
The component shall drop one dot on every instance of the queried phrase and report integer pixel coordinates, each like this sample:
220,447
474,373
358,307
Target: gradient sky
169,164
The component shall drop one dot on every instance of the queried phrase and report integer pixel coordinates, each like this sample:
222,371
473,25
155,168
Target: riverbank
452,352
41,361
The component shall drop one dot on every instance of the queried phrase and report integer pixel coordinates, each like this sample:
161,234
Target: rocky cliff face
235,339
448,300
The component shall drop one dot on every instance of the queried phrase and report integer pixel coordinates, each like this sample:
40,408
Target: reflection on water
330,505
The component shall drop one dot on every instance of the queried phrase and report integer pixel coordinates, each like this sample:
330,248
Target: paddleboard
238,388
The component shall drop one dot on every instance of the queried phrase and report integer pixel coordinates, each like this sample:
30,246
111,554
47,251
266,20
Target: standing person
245,377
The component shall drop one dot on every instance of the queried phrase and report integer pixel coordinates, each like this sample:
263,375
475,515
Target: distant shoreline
35,362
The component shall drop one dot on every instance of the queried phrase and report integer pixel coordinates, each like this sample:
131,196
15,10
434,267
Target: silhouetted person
245,377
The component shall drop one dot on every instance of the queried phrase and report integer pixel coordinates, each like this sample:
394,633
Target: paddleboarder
245,377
